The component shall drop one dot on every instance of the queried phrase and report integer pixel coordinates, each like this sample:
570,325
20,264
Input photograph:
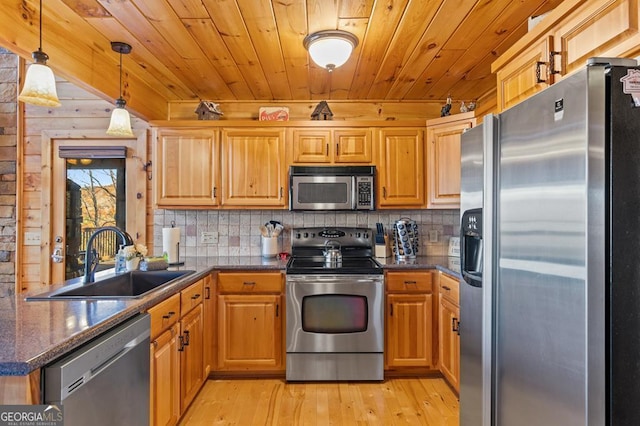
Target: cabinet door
186,167
598,29
249,332
449,348
165,378
191,362
401,168
311,146
443,160
409,330
253,172
353,146
208,304
519,79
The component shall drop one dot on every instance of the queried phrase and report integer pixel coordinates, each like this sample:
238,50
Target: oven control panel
317,237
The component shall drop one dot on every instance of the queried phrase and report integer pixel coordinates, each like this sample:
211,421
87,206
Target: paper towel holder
179,262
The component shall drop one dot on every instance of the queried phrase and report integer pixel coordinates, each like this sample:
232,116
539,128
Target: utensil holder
269,246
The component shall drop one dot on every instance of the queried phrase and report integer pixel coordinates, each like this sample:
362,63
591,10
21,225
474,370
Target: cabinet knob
195,296
168,315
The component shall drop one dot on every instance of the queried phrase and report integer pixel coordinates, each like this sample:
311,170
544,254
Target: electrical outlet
209,237
433,236
31,238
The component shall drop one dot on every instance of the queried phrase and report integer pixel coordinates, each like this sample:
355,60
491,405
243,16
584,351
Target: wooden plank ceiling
252,49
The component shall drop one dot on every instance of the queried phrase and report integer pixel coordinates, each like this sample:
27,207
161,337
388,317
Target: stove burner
308,245
317,265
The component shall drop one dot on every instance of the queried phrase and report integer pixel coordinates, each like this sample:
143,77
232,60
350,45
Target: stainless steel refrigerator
550,249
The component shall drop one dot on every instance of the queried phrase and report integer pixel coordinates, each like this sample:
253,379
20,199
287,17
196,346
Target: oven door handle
328,279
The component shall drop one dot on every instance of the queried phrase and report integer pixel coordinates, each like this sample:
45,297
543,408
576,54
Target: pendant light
120,124
39,83
330,48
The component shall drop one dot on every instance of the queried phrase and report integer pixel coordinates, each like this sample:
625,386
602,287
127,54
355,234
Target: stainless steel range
335,303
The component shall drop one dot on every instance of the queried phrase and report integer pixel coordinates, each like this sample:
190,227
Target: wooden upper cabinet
599,29
352,146
186,167
563,41
318,146
526,74
400,166
253,169
443,159
311,146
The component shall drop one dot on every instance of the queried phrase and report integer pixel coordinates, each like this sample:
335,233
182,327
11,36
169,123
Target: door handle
56,256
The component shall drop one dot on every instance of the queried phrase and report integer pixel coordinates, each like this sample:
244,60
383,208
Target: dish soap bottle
121,262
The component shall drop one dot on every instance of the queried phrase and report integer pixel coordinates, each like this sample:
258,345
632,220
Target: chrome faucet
91,259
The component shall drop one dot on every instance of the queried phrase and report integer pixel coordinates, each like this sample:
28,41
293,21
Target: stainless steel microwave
331,188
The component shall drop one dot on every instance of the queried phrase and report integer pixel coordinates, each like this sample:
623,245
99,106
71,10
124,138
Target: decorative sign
631,85
273,114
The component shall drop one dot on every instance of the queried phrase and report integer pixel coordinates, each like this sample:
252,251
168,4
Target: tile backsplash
238,233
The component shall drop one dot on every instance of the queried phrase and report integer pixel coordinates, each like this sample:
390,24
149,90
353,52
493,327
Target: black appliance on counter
335,321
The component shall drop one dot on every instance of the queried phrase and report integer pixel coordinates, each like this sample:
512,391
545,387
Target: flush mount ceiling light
330,48
120,124
39,83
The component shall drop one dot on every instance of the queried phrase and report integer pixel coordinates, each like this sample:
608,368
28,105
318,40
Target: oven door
323,193
335,313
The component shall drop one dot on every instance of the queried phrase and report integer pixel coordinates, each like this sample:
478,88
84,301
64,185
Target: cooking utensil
332,254
264,231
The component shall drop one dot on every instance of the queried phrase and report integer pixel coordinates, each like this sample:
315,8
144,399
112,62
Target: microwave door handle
354,193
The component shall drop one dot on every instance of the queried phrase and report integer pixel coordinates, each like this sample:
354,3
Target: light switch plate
209,237
31,238
433,236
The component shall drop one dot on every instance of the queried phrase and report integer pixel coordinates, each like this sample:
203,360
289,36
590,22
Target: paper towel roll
171,244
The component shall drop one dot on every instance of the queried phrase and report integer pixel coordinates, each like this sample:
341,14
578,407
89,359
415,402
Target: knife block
382,250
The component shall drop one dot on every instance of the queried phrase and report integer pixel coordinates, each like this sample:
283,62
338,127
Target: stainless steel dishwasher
106,381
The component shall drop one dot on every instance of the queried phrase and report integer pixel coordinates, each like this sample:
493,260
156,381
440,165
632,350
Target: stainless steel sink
130,285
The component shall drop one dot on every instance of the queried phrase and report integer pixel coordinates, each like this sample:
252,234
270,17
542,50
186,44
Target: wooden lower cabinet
191,355
209,312
249,332
449,342
249,322
409,330
177,354
449,326
165,378
409,320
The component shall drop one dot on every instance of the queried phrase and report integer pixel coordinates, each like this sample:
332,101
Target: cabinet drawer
164,315
191,296
450,288
239,282
408,282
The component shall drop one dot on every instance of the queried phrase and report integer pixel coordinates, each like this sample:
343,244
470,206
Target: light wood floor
411,401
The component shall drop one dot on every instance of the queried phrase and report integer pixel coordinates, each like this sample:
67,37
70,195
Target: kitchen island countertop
35,333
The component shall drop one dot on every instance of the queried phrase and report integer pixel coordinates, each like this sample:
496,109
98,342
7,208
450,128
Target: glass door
95,197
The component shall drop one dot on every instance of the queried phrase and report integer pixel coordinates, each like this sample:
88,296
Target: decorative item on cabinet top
208,110
273,114
322,112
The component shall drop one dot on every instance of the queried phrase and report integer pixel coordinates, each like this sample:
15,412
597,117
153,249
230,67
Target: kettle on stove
405,238
332,254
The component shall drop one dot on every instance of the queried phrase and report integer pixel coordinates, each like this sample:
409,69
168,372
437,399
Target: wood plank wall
80,110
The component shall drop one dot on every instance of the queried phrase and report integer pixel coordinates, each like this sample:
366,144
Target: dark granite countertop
34,333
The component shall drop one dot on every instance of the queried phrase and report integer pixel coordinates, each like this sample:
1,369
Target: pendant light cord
120,72
40,48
